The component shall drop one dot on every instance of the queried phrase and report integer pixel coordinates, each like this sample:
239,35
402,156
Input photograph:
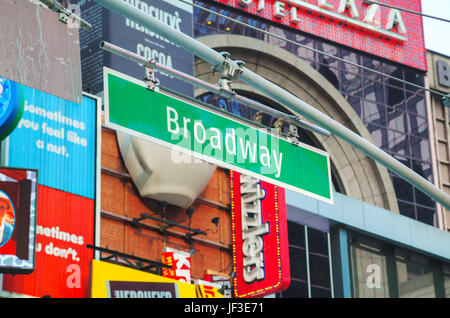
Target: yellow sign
103,274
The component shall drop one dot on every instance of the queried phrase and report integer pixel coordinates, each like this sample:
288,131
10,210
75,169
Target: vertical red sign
260,238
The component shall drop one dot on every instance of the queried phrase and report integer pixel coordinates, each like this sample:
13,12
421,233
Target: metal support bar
283,97
131,260
169,224
212,88
151,80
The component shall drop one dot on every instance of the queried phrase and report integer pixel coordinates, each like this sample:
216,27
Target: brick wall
120,203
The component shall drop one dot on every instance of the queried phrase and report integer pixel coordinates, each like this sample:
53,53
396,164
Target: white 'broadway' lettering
246,146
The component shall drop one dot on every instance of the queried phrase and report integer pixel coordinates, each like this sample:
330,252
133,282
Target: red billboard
64,226
259,235
383,31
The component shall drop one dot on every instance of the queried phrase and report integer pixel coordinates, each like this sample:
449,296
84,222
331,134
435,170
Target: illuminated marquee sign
372,28
260,240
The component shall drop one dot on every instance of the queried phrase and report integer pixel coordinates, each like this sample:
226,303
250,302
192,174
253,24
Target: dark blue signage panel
127,34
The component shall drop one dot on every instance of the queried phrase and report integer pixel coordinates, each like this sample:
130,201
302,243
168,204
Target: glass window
317,292
296,234
297,261
420,148
373,91
403,189
296,289
395,97
423,199
413,77
407,209
330,73
379,135
372,64
398,143
394,71
423,168
309,262
355,102
302,52
351,84
374,113
426,216
414,275
417,125
319,270
396,120
369,268
317,242
351,57
417,105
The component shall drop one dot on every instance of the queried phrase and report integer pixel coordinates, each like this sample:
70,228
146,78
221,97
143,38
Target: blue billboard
57,137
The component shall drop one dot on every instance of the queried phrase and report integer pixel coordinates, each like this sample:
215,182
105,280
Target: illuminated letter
245,3
373,15
279,9
294,17
261,5
395,18
324,4
351,6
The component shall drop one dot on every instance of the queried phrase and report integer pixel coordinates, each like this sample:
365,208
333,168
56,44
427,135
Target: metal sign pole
212,88
288,100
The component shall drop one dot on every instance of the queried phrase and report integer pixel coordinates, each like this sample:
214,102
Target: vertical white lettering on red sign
252,229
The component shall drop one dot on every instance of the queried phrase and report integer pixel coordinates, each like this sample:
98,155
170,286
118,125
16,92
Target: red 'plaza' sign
384,31
260,239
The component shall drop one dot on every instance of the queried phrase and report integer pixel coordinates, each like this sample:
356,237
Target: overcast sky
437,33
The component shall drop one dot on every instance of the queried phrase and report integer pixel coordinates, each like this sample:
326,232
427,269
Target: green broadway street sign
192,130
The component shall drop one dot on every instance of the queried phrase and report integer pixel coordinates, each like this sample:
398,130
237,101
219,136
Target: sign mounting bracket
150,80
228,73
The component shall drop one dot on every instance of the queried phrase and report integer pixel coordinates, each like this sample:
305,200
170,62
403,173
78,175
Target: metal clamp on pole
228,73
150,79
66,15
292,135
446,100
